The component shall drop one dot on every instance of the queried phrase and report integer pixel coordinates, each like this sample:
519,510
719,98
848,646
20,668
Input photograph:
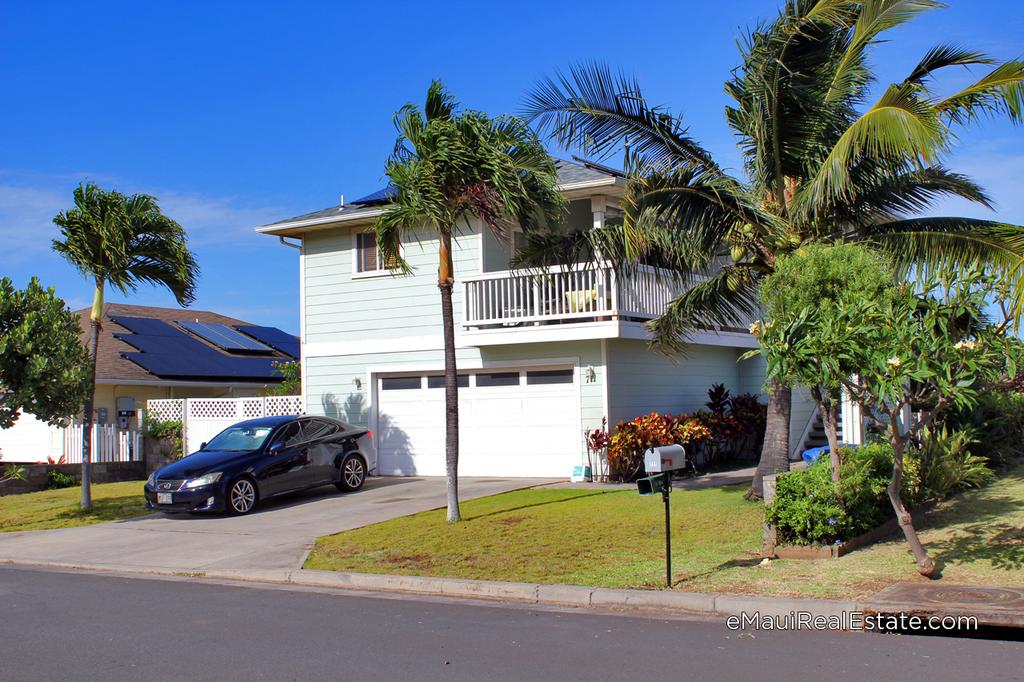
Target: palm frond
875,17
943,56
727,299
1000,92
440,103
899,129
929,244
881,194
601,113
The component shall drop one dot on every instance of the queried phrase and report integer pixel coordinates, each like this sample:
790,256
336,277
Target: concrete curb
627,601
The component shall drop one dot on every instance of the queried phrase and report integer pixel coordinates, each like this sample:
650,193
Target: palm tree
819,167
120,241
448,167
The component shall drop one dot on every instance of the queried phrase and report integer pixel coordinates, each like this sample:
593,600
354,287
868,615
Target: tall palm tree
448,167
819,167
120,241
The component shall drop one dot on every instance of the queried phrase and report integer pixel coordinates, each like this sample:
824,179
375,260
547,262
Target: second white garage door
521,422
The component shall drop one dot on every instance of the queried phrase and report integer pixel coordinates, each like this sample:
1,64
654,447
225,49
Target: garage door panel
505,430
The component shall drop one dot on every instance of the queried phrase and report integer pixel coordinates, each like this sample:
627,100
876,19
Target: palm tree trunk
95,324
775,452
446,282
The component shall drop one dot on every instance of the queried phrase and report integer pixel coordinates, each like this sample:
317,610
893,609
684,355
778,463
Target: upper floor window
368,256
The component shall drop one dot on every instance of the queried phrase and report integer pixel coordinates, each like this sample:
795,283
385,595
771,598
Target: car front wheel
241,496
353,474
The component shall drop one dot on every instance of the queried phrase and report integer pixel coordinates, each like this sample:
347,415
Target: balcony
568,302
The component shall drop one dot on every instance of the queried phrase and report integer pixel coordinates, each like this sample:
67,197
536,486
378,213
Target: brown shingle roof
110,366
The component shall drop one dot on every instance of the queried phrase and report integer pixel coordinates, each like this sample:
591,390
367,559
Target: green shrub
1000,417
168,431
949,463
810,509
58,479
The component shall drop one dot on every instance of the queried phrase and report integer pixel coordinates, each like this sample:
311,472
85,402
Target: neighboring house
541,358
148,353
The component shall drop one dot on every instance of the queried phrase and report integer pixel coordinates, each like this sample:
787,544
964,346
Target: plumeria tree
905,355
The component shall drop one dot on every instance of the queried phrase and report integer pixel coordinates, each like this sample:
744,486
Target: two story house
542,357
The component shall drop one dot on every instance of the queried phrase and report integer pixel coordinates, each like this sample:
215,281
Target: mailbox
664,459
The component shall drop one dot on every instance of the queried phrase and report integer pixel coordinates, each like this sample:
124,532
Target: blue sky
235,114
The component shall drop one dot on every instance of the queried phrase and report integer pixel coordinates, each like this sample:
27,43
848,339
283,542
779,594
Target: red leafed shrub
626,448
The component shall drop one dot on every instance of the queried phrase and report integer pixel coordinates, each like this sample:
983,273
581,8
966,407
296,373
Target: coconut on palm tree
819,166
120,241
448,168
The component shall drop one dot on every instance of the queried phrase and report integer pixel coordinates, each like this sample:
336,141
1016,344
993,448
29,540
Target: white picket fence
32,440
109,444
204,418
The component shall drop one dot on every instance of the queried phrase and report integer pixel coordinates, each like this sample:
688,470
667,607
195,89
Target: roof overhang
613,185
180,383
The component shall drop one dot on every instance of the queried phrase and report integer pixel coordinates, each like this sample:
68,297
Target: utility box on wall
125,411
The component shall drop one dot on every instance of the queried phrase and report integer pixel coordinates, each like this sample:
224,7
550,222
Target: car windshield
239,438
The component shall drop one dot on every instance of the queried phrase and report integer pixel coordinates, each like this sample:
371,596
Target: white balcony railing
566,293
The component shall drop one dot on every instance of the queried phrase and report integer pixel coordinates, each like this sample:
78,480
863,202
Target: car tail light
369,434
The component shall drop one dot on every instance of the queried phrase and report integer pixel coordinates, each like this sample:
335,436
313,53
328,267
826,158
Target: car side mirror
202,446
275,448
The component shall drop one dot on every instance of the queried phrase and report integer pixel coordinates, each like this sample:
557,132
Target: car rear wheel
241,496
353,474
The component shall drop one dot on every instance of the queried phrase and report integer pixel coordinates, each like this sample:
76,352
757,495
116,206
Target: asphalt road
92,627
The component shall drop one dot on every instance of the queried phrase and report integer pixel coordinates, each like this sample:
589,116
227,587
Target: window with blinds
368,256
366,252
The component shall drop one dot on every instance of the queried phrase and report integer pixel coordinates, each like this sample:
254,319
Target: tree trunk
925,564
775,452
830,418
95,325
446,282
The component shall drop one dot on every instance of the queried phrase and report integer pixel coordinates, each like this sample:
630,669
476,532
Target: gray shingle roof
569,173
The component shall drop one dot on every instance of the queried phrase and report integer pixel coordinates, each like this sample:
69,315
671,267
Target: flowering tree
920,353
905,354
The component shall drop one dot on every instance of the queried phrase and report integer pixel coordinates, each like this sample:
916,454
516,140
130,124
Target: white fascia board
515,336
285,229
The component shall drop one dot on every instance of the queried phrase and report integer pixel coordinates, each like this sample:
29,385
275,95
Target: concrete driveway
273,538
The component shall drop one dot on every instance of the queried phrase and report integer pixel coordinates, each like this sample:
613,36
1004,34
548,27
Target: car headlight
151,481
208,479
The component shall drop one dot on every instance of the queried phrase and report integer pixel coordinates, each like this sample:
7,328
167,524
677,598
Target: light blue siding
641,380
340,307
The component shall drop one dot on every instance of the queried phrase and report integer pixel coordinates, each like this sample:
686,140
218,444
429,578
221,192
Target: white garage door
511,423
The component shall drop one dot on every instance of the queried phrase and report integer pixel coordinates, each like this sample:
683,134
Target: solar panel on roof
273,337
225,337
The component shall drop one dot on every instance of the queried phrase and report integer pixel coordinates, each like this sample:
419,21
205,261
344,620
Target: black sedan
261,458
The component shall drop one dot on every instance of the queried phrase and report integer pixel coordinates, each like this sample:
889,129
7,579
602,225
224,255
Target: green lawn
59,508
614,539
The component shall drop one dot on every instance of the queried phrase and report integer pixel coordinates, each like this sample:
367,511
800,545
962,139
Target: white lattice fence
204,418
164,410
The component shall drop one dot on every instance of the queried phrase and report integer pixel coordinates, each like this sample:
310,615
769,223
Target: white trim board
516,336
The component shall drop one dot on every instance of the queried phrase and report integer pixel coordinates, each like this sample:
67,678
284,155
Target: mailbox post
662,462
